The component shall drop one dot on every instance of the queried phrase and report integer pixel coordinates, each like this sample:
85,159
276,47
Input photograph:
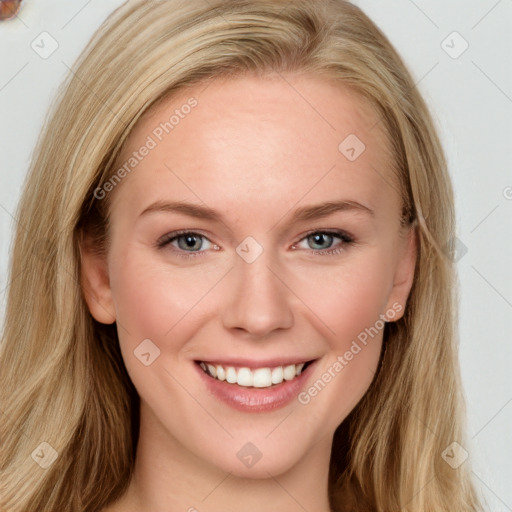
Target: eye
186,242
190,244
320,242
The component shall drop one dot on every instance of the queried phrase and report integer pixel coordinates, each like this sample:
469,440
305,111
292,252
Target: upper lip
252,363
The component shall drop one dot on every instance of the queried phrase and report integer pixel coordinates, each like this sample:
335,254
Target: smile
255,386
255,377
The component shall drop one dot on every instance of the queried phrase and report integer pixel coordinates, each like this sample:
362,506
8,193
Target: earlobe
404,274
95,283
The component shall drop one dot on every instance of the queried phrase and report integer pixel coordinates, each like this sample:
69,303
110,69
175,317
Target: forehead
275,138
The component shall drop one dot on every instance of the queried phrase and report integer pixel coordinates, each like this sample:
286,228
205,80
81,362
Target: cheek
165,306
347,298
154,300
347,302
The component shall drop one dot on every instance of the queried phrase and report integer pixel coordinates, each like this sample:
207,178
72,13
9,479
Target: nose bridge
259,301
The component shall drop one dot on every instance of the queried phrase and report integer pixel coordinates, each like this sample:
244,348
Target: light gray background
471,97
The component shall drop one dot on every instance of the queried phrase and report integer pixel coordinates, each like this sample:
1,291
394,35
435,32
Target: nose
259,301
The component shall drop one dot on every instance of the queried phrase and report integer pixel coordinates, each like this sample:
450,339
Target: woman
174,341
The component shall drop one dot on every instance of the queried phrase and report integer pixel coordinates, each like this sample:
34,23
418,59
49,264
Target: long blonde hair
62,377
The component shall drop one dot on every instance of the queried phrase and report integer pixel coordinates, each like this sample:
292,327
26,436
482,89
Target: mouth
255,386
263,377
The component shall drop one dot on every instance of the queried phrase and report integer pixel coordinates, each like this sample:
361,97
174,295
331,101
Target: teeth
244,377
289,372
261,377
212,370
221,374
258,378
277,375
230,375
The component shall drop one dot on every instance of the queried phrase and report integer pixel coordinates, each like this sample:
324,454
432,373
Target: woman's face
256,227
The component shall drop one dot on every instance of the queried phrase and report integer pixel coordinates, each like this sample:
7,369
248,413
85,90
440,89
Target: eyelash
171,237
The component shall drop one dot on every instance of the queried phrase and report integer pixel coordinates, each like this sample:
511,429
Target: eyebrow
304,213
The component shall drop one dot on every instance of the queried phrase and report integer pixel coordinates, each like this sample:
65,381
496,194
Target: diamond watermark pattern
147,352
352,147
44,455
249,455
45,45
459,251
249,250
454,455
454,45
455,250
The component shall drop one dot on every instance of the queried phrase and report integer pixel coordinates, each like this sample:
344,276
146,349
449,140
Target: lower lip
250,399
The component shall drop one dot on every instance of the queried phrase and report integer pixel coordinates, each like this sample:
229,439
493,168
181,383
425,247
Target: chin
250,462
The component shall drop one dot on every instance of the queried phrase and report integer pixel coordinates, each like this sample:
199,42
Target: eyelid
170,237
347,239
340,233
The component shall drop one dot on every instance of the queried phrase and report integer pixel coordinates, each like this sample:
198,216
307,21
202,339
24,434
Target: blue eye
187,241
189,244
325,240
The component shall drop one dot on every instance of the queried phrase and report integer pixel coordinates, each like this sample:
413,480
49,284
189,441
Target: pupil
191,242
318,239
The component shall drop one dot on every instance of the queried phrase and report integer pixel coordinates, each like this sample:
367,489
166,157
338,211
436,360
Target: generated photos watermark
157,135
363,338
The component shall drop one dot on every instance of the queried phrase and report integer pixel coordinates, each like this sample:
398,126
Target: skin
254,149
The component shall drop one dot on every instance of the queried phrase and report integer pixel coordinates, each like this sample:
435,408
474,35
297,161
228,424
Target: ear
95,283
404,273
